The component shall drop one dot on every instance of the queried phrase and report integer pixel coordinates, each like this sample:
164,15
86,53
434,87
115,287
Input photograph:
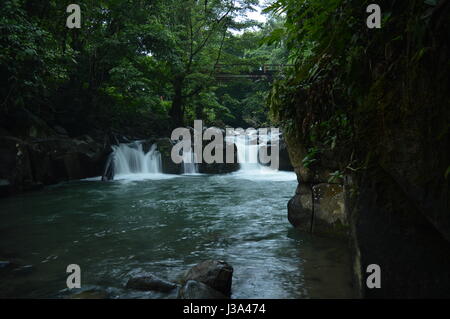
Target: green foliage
311,157
30,63
133,62
346,75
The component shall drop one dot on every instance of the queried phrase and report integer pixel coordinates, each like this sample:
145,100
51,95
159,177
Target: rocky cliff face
394,211
391,197
38,155
29,164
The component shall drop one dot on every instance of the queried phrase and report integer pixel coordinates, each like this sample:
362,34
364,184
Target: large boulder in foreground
197,290
150,282
213,273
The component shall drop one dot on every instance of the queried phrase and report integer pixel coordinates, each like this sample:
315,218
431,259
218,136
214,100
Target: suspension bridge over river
227,72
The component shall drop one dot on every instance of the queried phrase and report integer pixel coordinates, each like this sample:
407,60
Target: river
165,224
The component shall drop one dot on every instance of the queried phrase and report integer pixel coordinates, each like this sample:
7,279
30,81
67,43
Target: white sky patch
254,15
257,15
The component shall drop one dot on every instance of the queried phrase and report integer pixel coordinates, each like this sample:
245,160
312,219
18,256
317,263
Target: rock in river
215,274
197,290
148,282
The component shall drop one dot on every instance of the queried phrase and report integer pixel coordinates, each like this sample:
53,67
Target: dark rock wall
28,164
396,189
32,154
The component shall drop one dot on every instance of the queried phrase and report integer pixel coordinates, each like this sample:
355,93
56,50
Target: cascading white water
247,152
189,165
248,146
131,159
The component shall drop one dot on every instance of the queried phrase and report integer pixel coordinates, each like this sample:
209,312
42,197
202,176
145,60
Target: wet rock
329,204
165,148
147,281
300,208
28,165
108,174
15,168
36,155
147,144
328,218
315,174
196,290
60,159
221,168
284,162
5,264
215,274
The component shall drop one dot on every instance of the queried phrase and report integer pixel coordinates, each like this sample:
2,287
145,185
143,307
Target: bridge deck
251,71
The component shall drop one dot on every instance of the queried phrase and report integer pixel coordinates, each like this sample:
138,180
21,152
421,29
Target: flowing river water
165,224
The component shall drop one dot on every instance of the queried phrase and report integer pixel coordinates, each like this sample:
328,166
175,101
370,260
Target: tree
198,30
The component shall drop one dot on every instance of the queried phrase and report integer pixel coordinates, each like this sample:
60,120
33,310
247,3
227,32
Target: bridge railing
250,69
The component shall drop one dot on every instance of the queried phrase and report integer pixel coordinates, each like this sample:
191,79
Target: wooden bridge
227,72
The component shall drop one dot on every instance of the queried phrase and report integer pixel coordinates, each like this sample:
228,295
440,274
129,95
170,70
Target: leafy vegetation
144,65
350,83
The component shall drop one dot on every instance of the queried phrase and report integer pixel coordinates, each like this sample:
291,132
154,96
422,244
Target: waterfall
248,146
247,152
129,159
189,165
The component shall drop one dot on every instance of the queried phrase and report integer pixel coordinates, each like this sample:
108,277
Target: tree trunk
176,112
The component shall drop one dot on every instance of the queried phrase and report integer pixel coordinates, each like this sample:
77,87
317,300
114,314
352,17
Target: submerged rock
215,274
196,290
147,282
